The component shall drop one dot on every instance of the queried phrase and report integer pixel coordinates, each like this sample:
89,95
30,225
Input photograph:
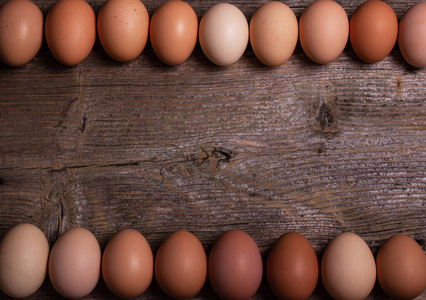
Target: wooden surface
318,149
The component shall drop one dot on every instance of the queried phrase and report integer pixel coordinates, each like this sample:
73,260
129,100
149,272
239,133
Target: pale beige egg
24,252
348,269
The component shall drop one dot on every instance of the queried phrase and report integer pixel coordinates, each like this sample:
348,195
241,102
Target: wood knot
215,158
326,118
222,156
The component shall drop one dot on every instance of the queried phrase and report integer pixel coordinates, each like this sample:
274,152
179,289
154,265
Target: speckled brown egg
70,31
181,265
173,32
235,266
292,267
273,33
21,32
401,267
123,28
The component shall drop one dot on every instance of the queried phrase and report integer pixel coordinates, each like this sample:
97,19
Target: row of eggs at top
234,266
223,31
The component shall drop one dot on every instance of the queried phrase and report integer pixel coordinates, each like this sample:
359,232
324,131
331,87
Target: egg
127,264
373,31
401,267
123,28
181,265
235,266
24,252
75,263
21,32
273,33
323,31
412,35
70,31
223,34
292,267
348,269
173,32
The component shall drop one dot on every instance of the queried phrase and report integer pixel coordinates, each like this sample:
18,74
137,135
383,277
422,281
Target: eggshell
373,30
348,269
292,267
75,263
24,252
273,33
401,267
21,32
123,28
70,31
128,264
223,34
235,266
412,35
181,265
174,32
323,31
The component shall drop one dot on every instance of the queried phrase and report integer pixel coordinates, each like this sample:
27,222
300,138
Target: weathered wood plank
303,147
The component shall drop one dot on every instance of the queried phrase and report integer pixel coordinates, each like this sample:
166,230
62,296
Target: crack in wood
61,217
83,122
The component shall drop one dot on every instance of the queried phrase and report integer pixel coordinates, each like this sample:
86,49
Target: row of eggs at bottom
234,266
123,28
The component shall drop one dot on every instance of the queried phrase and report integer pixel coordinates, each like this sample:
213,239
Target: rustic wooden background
317,149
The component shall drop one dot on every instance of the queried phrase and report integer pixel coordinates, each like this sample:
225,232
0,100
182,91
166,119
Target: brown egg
70,31
21,32
292,267
373,30
24,252
75,263
412,35
273,33
173,32
123,28
348,269
401,267
181,265
323,31
235,266
128,264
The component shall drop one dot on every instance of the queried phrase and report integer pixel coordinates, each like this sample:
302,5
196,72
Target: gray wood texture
318,149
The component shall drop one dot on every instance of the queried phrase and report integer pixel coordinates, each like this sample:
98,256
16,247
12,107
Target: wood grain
318,149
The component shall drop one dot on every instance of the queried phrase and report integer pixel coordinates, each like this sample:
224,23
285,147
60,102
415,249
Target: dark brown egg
373,30
292,267
235,266
401,267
